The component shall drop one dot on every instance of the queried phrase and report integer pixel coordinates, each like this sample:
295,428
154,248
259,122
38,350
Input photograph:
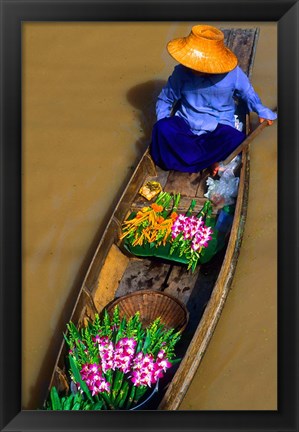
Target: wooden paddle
245,143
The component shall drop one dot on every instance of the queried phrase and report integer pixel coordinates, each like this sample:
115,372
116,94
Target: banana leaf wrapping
216,243
151,250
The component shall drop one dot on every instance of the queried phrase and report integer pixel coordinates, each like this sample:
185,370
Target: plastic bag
230,168
223,191
238,124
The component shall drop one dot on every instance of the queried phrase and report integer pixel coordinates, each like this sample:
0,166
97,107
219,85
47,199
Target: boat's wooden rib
113,272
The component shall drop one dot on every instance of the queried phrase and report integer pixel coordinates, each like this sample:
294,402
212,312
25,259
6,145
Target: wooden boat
114,273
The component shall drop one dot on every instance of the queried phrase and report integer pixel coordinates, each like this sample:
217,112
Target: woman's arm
169,95
247,93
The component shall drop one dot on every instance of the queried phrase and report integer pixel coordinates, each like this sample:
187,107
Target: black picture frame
13,13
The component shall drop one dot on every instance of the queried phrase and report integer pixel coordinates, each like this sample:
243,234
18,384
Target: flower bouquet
190,234
159,231
114,362
152,224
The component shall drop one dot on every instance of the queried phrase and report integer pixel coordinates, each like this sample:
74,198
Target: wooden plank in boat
143,274
185,183
184,204
112,271
202,187
243,43
226,33
181,282
161,177
110,236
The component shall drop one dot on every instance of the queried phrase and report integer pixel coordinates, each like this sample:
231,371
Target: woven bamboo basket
151,305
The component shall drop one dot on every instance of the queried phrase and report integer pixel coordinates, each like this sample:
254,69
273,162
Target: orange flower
160,219
173,215
156,207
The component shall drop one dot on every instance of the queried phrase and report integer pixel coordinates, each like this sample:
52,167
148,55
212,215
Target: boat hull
113,272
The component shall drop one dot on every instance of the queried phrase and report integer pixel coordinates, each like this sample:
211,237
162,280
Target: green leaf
55,400
78,378
76,406
67,340
131,397
107,401
147,342
190,209
67,403
140,391
78,397
122,396
107,322
73,331
121,330
117,383
175,361
97,406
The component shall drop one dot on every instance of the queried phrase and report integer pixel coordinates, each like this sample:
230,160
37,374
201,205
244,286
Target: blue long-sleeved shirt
206,100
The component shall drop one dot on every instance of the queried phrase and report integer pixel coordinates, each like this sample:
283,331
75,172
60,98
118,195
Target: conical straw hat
203,50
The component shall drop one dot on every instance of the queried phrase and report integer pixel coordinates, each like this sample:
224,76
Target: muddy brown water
89,91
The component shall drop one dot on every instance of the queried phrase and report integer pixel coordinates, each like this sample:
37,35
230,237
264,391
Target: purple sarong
175,147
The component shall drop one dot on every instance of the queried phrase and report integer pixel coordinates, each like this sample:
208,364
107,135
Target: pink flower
122,363
161,353
192,227
106,351
136,379
141,378
181,219
123,354
92,375
97,339
157,373
130,342
164,364
146,371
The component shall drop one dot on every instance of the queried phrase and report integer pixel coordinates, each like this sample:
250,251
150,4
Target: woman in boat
195,126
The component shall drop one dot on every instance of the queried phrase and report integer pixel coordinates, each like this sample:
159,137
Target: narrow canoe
113,272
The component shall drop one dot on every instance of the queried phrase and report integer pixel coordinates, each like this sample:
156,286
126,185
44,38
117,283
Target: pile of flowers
190,234
114,362
162,232
152,224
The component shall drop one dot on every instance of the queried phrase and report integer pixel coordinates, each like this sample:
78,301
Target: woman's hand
270,122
